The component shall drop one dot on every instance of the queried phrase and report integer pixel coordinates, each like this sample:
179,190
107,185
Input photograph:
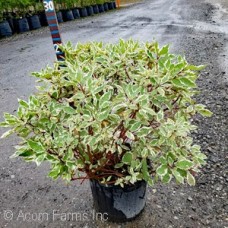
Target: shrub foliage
117,113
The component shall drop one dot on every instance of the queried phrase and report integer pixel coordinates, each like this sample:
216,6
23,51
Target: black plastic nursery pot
89,10
110,6
119,204
95,9
101,8
5,29
43,19
83,12
67,15
10,21
34,22
76,13
114,5
106,6
21,25
59,17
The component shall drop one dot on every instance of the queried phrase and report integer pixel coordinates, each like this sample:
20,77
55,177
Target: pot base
117,203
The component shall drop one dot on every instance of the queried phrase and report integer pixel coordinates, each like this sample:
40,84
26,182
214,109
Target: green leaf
105,105
119,165
192,67
118,107
135,126
40,159
150,182
143,131
150,111
177,82
103,115
69,110
161,91
104,98
190,179
11,119
184,164
160,116
146,175
144,152
205,112
71,164
6,134
36,146
164,50
162,170
23,103
4,124
127,158
55,172
186,82
130,135
178,176
166,178
27,153
183,82
33,100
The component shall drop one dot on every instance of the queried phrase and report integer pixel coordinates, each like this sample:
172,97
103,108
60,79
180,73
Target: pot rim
136,184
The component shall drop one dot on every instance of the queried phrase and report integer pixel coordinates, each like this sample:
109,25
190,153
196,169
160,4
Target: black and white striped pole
54,28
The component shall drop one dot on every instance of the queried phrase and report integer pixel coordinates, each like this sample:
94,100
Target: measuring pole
118,3
54,28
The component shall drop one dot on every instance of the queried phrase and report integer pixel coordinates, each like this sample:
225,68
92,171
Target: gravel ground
196,28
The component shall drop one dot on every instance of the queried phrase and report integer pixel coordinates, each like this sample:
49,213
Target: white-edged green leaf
166,178
4,124
192,67
143,131
104,98
69,110
162,170
103,115
187,82
205,112
164,50
127,158
190,179
130,135
23,103
6,134
35,146
177,82
135,126
184,164
178,176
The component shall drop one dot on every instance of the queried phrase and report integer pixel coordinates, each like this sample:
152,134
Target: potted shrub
67,13
114,4
20,12
95,6
100,4
110,5
75,11
117,114
58,7
5,29
87,4
40,12
106,6
6,13
33,18
82,9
